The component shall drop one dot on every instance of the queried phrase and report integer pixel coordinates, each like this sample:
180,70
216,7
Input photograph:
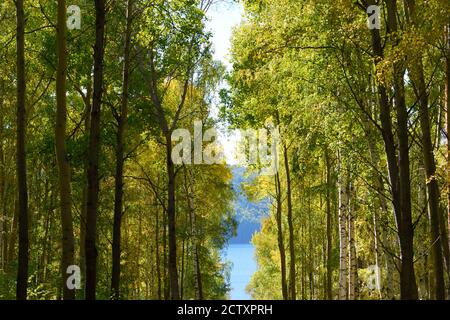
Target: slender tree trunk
157,253
94,150
173,273
292,289
2,195
138,257
398,172
22,269
381,204
183,256
343,232
65,198
444,242
83,211
417,75
447,108
122,122
5,186
198,287
311,245
165,266
353,271
303,259
408,286
281,249
45,239
329,285
387,133
377,254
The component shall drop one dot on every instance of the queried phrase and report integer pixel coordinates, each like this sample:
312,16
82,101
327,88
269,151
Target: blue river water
243,266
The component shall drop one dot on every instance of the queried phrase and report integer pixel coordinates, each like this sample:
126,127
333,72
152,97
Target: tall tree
447,108
329,280
190,195
65,199
406,229
418,77
398,171
280,240
93,156
353,264
343,229
180,68
120,144
292,291
22,271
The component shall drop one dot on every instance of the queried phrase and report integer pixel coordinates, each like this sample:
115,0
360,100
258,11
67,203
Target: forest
99,199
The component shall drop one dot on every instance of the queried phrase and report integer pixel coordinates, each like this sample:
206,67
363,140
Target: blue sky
222,17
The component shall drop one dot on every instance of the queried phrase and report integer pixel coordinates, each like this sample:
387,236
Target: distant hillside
248,214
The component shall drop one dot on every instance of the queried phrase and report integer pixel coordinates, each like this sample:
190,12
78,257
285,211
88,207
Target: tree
94,150
447,107
329,286
343,230
22,271
281,248
405,224
68,246
417,74
292,271
122,121
179,68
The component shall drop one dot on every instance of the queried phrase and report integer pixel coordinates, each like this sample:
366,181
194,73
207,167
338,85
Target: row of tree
361,202
94,184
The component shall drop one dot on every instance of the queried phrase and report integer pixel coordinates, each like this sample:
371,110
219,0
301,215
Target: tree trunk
22,269
157,253
398,172
447,108
45,240
65,198
311,245
408,286
198,288
93,157
292,290
2,195
5,185
353,271
418,78
387,132
343,232
377,255
165,269
83,210
122,122
173,273
329,285
284,288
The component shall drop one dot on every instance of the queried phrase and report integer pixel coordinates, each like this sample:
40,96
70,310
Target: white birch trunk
352,247
343,236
